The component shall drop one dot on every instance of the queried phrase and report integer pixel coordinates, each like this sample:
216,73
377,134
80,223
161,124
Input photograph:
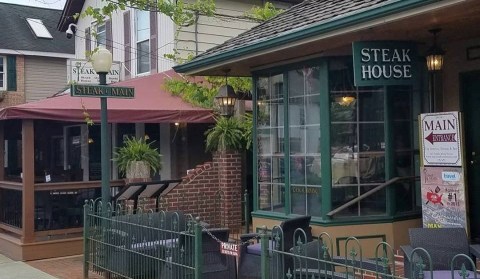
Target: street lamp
102,62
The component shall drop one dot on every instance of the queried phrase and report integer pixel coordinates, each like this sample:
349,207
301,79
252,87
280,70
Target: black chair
442,244
250,254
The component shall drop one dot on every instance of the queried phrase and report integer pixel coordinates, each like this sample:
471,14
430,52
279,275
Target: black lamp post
102,62
225,99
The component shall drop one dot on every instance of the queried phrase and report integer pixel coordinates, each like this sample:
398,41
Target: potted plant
226,135
137,158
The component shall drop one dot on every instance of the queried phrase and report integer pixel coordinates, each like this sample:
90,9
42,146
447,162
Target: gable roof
16,34
71,8
305,20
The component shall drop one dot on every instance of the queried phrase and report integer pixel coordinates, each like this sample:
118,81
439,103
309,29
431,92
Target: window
3,75
357,141
101,35
142,35
304,134
40,31
270,147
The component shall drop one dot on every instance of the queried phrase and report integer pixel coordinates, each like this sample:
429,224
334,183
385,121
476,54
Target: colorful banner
443,197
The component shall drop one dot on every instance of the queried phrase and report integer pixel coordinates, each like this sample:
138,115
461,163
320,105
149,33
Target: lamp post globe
102,60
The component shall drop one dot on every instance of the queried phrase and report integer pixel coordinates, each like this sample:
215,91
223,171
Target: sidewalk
62,268
10,269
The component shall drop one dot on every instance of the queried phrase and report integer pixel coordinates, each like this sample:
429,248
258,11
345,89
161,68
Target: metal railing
143,245
314,260
369,193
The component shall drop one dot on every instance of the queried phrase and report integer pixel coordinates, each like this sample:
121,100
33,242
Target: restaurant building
338,88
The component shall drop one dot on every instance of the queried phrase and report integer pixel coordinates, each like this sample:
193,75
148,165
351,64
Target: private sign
441,142
83,90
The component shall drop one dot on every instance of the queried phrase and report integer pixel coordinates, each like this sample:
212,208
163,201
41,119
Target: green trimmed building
336,126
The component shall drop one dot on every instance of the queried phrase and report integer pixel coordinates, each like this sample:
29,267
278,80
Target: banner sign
384,63
440,135
229,249
443,197
81,71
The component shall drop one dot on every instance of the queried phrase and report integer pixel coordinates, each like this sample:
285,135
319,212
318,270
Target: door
470,84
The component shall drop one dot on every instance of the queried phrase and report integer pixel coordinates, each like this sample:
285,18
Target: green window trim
326,169
11,73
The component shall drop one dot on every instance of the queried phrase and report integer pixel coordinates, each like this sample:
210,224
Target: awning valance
152,104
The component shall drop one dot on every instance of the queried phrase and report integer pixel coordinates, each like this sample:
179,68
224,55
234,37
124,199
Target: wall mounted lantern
435,54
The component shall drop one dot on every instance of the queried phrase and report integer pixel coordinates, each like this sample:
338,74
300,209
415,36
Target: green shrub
137,150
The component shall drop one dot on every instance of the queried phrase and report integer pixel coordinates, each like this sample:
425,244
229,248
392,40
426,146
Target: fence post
198,249
86,252
265,264
247,212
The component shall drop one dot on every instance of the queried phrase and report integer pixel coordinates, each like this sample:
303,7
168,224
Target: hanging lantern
435,54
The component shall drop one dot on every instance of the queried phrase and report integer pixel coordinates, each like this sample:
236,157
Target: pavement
10,269
56,268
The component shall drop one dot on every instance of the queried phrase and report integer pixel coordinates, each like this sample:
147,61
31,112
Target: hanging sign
229,249
443,197
81,71
441,139
384,63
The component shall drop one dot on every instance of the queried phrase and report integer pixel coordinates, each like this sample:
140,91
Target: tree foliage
181,13
263,13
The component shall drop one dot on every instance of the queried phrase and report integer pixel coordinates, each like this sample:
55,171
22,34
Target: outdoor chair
327,267
442,244
250,253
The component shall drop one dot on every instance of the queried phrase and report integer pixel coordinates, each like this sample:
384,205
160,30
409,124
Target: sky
52,4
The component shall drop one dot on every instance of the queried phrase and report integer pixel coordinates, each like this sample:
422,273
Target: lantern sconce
226,97
435,54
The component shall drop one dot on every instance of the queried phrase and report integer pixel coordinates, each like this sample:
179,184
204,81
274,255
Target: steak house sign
384,63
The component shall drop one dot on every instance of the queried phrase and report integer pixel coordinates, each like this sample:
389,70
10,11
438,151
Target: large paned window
404,148
142,35
304,140
270,143
357,141
371,140
3,75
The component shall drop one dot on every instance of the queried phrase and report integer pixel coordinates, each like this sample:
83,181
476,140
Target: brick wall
16,97
211,191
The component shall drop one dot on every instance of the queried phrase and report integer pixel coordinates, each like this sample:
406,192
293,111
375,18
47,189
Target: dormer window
37,27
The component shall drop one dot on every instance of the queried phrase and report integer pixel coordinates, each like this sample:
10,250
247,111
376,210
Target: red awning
152,104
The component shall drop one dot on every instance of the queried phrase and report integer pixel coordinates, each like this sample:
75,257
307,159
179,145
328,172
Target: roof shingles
301,16
15,33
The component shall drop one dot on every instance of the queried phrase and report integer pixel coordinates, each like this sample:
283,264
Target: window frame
325,126
96,26
138,42
4,73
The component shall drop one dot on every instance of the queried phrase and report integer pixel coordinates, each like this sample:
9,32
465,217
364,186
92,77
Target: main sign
384,63
441,139
85,90
82,72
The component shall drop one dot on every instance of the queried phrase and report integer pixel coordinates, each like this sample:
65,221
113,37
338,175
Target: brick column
229,165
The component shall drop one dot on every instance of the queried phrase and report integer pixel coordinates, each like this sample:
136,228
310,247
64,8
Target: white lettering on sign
229,249
385,58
